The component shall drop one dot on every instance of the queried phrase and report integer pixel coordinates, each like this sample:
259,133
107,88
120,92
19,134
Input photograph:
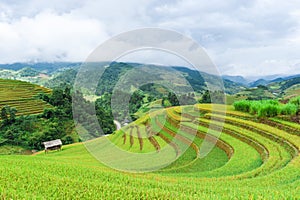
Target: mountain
56,74
288,87
259,82
236,79
198,81
43,67
266,82
38,73
64,77
28,72
265,77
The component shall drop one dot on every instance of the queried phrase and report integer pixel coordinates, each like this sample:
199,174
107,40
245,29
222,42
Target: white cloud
49,36
242,37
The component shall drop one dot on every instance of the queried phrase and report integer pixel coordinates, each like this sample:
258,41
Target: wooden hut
52,145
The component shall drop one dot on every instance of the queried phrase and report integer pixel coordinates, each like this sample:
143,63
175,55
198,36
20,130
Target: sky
248,38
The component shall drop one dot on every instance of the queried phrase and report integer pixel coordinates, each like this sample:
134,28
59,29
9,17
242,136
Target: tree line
54,123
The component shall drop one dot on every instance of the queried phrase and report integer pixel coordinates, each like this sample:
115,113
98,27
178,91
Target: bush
243,105
289,109
67,140
255,107
295,101
268,108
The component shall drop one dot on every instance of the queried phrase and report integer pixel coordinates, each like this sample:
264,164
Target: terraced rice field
22,96
251,160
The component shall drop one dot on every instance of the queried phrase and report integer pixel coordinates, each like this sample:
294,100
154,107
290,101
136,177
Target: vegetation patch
266,108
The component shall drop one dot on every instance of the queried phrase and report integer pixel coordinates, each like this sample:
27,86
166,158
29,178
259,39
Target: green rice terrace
252,159
22,96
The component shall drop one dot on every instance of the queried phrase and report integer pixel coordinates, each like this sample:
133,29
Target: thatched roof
52,143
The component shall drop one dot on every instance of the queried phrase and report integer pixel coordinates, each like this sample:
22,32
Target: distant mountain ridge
236,79
264,80
55,74
276,80
45,67
60,73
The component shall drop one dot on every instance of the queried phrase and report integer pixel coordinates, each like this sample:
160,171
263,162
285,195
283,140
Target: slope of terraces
249,159
22,96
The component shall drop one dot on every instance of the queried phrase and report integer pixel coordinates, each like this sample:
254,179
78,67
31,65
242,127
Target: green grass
9,149
188,162
271,152
264,163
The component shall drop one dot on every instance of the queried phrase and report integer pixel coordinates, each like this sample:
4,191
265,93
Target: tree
4,115
57,98
105,120
173,99
136,101
206,97
8,115
216,96
12,114
150,98
67,140
9,135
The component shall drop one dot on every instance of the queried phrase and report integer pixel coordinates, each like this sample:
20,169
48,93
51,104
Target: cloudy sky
242,37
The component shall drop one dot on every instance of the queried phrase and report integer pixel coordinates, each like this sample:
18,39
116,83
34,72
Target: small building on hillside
52,145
